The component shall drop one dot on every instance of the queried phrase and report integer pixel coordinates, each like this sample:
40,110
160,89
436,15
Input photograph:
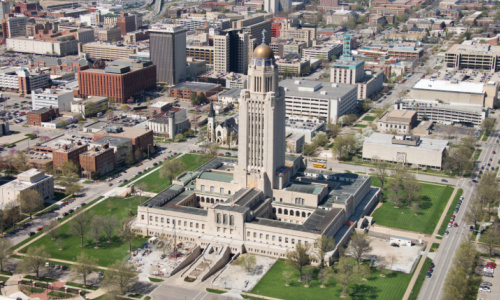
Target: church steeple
211,112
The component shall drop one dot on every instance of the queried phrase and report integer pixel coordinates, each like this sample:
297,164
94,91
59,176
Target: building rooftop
476,48
316,89
424,144
195,86
20,184
401,115
447,86
96,151
217,176
128,132
112,140
305,188
167,28
234,92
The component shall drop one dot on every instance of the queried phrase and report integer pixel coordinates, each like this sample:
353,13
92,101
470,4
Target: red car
455,225
494,152
140,163
39,228
65,202
491,264
453,216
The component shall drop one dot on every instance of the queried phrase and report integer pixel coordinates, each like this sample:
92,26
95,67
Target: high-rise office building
4,9
231,50
168,52
274,6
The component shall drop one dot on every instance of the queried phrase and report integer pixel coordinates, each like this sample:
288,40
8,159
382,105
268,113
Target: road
432,287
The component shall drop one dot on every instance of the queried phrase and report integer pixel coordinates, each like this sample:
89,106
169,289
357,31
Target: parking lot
494,288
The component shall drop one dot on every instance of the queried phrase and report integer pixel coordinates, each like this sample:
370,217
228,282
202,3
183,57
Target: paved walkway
53,286
431,240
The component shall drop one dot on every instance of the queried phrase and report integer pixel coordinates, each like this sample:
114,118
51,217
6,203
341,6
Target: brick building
97,161
68,152
158,107
142,139
36,117
120,80
185,89
126,23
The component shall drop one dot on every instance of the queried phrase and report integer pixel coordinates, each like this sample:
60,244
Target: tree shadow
363,292
425,203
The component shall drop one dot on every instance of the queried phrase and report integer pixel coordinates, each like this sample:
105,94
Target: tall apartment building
60,47
205,53
274,6
255,26
68,152
298,32
21,80
231,50
126,23
120,80
97,161
108,51
108,34
29,180
4,9
168,52
15,26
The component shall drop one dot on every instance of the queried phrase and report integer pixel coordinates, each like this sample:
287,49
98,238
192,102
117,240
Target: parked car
488,275
31,233
486,283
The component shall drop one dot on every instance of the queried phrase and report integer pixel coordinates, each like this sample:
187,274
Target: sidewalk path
428,247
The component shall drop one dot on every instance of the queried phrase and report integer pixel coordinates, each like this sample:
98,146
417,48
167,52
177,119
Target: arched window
303,214
280,211
202,199
218,218
291,212
231,220
274,210
297,213
225,219
286,211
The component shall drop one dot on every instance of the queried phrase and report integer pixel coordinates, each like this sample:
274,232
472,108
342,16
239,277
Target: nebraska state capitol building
266,202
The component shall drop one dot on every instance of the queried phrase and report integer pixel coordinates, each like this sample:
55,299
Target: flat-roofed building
108,34
322,52
97,162
90,106
60,47
185,89
411,150
476,56
122,147
32,179
322,100
397,121
142,139
205,53
68,152
108,51
52,98
466,93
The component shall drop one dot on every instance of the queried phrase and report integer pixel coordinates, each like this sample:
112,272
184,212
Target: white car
484,289
489,270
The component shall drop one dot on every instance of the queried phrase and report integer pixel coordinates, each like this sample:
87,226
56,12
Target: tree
52,229
310,149
360,245
63,124
120,277
140,188
322,245
346,146
325,275
248,262
321,139
69,169
30,201
299,258
21,160
124,107
34,260
487,125
308,274
171,168
84,266
474,212
345,273
332,129
201,98
79,225
487,189
395,186
381,173
178,137
287,273
109,225
5,252
127,233
138,154
490,241
73,189
95,230
412,188
194,99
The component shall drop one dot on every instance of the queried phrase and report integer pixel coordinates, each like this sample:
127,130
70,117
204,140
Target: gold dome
263,51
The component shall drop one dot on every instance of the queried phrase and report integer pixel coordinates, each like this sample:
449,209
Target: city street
432,287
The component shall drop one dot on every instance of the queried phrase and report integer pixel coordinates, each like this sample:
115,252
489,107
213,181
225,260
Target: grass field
368,118
434,199
156,184
360,125
420,279
391,287
434,247
450,212
477,153
106,254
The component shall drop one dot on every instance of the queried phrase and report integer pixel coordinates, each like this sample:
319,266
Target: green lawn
368,118
420,279
106,254
477,153
450,212
391,287
434,199
434,247
360,125
4,279
156,184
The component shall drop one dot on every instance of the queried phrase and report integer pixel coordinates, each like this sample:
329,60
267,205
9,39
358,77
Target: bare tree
248,262
120,277
84,266
299,258
5,252
52,229
287,273
322,245
490,241
109,225
95,230
360,245
308,274
34,260
127,233
381,167
325,275
30,201
140,188
345,273
412,188
171,168
79,225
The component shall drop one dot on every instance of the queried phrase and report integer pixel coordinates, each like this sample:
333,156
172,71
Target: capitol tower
261,137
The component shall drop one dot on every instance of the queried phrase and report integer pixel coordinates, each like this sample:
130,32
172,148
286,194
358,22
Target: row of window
224,219
179,222
291,212
274,238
